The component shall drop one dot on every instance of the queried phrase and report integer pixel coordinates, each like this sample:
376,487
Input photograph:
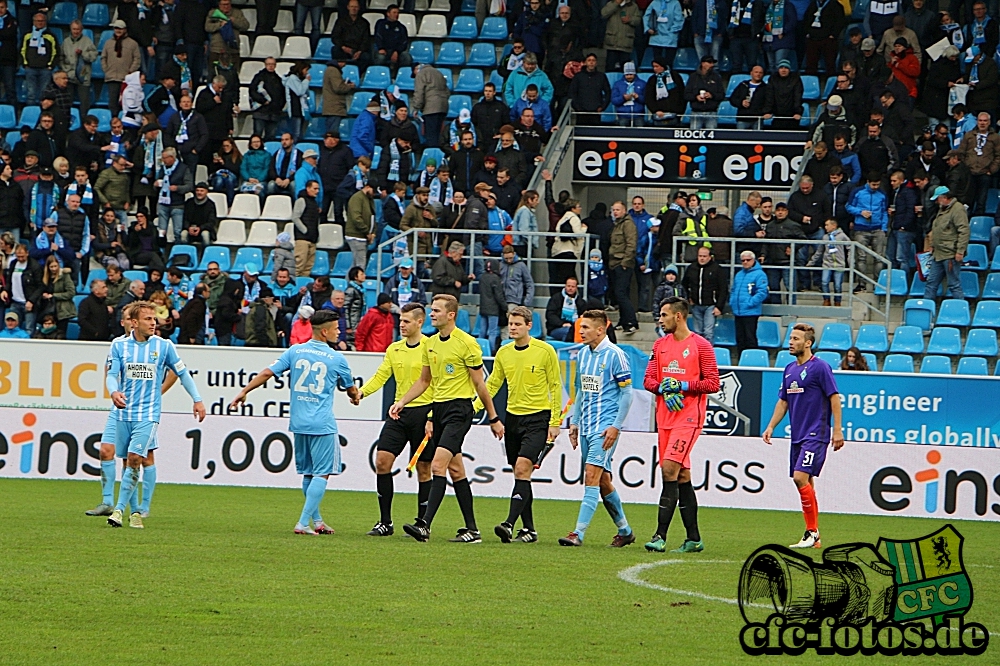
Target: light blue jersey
315,371
137,370
602,375
109,427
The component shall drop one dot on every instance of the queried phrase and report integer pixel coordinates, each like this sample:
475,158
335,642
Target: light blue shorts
317,455
592,450
138,437
110,427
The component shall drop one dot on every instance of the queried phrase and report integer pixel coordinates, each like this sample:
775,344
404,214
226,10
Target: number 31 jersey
315,372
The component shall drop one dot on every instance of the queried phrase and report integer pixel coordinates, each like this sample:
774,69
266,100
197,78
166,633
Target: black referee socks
438,485
463,493
423,492
383,484
689,510
519,499
668,502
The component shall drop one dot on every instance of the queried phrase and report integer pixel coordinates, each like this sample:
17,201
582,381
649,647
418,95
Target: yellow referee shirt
405,363
450,361
534,380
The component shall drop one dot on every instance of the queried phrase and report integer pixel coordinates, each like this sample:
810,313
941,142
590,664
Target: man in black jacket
11,204
267,97
707,287
465,163
876,152
335,160
94,314
563,308
778,257
201,219
86,147
958,179
215,105
9,58
163,97
809,207
352,37
838,192
488,115
749,98
784,98
73,226
26,271
42,139
230,309
192,319
188,133
897,125
819,165
590,92
705,92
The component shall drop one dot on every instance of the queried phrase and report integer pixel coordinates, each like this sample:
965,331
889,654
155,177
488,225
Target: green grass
217,577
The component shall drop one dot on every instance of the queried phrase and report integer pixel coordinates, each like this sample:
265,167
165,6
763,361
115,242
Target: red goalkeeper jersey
691,360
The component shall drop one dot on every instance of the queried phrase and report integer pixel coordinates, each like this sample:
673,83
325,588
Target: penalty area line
633,575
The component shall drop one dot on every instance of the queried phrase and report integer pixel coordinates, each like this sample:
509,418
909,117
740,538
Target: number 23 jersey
315,372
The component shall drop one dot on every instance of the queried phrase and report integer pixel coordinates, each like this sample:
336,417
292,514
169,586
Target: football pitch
218,577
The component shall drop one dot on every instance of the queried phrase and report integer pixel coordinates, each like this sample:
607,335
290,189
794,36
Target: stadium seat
872,338
937,365
96,15
462,320
907,340
359,101
470,81
247,255
249,69
735,80
340,284
754,358
371,270
285,23
831,357
451,54
810,87
768,334
180,250
73,331
976,258
458,102
95,274
722,356
871,359
919,312
468,6
429,153
404,79
331,237
135,275
831,81
536,325
898,286
351,73
725,332
8,117
221,204
485,347
463,27
434,26
262,233
483,55
245,207
321,264
277,207
972,365
954,312
268,263
970,284
917,287
727,114
981,342
992,200
324,50
232,232
316,129
266,46
343,263
63,13
979,229
898,363
995,265
686,60
987,315
296,48
783,359
303,281
377,77
945,340
836,337
494,29
422,52
29,116
219,255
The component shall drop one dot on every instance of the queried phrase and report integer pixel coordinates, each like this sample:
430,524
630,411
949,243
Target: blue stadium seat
184,250
429,153
351,73
992,200
735,80
470,81
377,77
722,356
468,6
216,253
938,365
483,55
63,13
371,269
972,365
945,340
458,102
8,117
727,114
831,357
343,263
784,358
828,87
422,52
836,337
898,287
247,255
106,36
919,312
981,342
725,332
976,258
806,119
754,358
768,334
73,331
810,87
324,50
872,338
463,27
103,119
135,275
78,299
954,312
536,326
871,359
494,29
303,281
371,293
95,274
322,264
96,16
340,284
970,284
686,60
268,263
979,229
484,344
898,363
987,315
346,125
992,287
451,54
463,321
404,79
316,129
917,287
907,340
358,103
29,116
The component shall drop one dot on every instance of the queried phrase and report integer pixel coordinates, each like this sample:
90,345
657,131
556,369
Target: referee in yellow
453,368
534,391
404,362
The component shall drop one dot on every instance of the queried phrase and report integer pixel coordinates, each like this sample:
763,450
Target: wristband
495,419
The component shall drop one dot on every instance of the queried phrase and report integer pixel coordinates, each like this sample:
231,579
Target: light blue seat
970,284
339,284
485,347
836,337
351,73
422,52
810,87
316,71
784,358
463,27
972,365
142,276
451,54
106,36
992,287
458,102
321,266
937,365
96,16
346,125
907,340
95,274
188,251
470,81
919,312
468,6
429,153
324,50
247,255
725,332
686,60
954,312
976,256
483,55
215,253
722,356
979,229
992,200
831,357
945,340
103,119
8,117
463,321
898,287
727,114
536,326
73,331
872,338
831,81
987,315
768,334
63,13
371,293
29,116
981,342
359,101
898,363
754,358
494,29
735,80
371,268
303,281
871,359
268,264
377,77
316,129
404,79
343,263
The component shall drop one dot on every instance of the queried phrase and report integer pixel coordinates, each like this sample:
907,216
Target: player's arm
493,384
838,416
379,379
345,379
553,373
574,419
415,391
780,409
651,380
709,369
259,380
187,381
169,379
476,375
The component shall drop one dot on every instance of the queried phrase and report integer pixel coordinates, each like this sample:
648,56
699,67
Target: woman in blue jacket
255,168
746,300
664,20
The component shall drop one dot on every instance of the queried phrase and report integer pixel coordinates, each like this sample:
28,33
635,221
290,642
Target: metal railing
792,272
646,119
555,151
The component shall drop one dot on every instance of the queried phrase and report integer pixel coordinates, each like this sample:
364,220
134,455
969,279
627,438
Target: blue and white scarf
395,158
435,192
774,21
86,197
42,242
664,84
185,74
152,152
979,31
165,174
117,143
43,202
711,20
293,161
568,308
399,203
360,178
736,17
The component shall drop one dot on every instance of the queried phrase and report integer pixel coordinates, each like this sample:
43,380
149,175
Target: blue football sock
133,502
148,485
130,478
314,495
587,508
109,471
305,493
613,503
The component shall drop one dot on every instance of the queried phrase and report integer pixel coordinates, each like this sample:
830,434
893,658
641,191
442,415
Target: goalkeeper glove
672,392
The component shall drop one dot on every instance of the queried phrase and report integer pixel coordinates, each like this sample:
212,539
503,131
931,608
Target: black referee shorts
408,428
524,436
452,422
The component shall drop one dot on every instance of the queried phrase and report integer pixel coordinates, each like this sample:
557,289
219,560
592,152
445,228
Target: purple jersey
807,389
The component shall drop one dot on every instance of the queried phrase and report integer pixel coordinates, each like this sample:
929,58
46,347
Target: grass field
217,577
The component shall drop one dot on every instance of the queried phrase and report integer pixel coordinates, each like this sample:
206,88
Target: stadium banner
731,472
686,158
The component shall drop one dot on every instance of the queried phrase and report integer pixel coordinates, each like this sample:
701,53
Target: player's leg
596,460
613,505
463,494
303,466
109,469
140,436
514,436
420,529
688,506
148,482
674,447
391,442
807,462
324,460
425,459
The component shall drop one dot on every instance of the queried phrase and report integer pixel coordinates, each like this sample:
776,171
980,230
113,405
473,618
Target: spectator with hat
43,198
50,242
871,65
306,172
164,100
362,141
948,241
398,162
904,64
783,98
628,96
12,329
200,218
420,215
119,58
404,286
747,298
705,92
260,326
